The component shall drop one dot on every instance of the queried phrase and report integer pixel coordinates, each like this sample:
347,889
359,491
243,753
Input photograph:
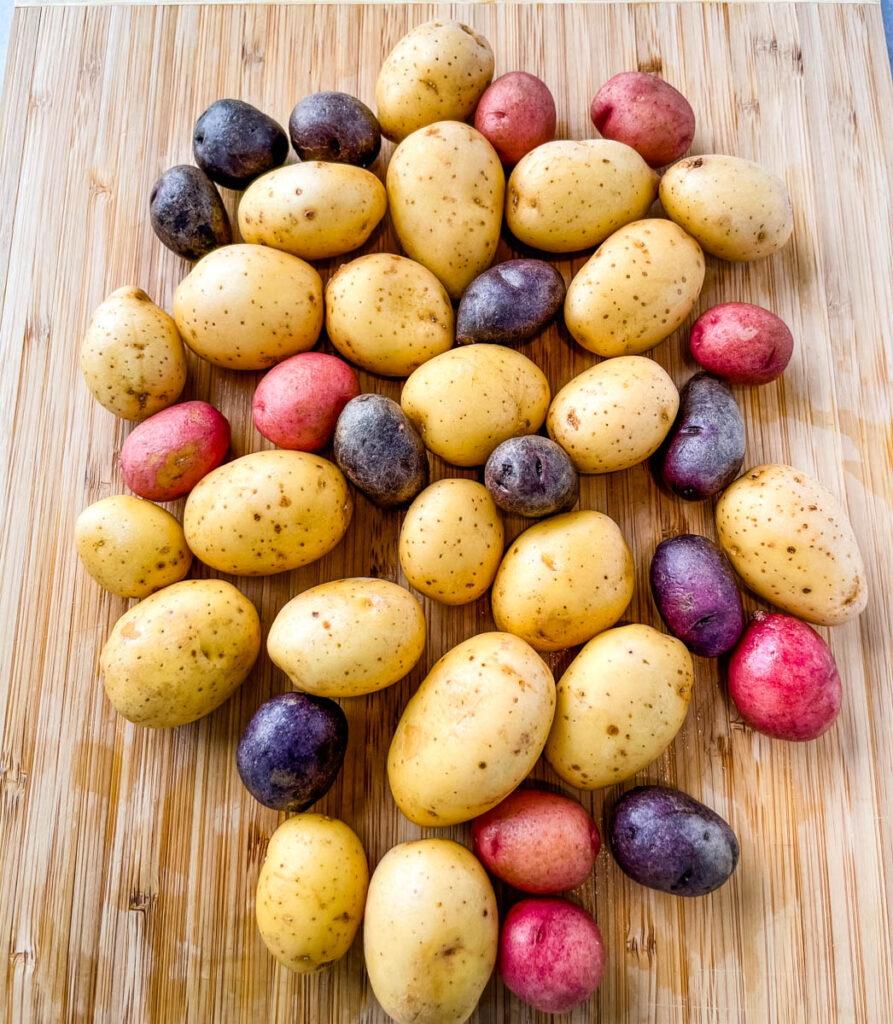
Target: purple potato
531,476
667,840
696,594
334,126
234,143
509,303
187,212
292,750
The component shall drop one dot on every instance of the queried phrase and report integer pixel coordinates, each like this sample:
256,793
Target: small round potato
741,343
532,476
516,114
234,142
187,213
510,303
334,126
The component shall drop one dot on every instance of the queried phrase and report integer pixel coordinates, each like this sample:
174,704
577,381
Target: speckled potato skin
348,637
637,288
445,189
246,307
334,126
620,703
388,314
313,210
267,512
451,541
234,142
187,213
732,207
564,580
132,355
516,114
180,653
131,547
468,400
789,539
614,415
311,891
509,303
436,72
565,196
472,731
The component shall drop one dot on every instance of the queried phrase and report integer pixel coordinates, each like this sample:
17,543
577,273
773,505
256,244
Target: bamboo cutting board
129,857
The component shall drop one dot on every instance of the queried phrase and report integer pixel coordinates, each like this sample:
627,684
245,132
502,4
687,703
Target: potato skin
742,343
789,539
234,142
334,126
510,303
531,476
187,213
516,114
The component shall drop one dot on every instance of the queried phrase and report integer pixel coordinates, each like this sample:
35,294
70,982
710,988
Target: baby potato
187,213
742,343
267,512
636,289
509,303
732,207
468,400
234,142
130,546
348,637
516,114
388,314
564,196
531,476
620,703
614,415
334,126
180,653
451,541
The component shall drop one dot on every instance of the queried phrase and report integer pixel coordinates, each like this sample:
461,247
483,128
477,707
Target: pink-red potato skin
741,343
551,954
297,404
647,113
784,680
515,115
538,842
167,454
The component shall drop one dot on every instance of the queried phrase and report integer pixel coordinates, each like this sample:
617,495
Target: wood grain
129,857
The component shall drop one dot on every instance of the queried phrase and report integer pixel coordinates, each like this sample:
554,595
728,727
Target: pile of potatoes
451,325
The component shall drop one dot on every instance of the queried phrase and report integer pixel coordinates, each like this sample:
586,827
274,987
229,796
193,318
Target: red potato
647,113
784,680
515,115
167,454
745,344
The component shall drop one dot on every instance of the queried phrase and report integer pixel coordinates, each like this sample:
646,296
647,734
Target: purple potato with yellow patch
531,476
509,303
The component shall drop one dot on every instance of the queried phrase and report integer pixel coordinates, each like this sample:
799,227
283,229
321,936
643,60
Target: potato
531,476
636,290
445,188
310,891
234,142
131,547
620,703
348,637
563,580
246,307
732,207
744,344
566,196
180,653
132,356
789,539
468,400
431,932
451,541
267,512
472,731
436,72
510,303
614,415
334,126
516,114
187,213
388,314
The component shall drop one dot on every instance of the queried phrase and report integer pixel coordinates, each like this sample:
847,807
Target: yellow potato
310,891
312,209
348,637
445,189
637,288
132,356
182,652
472,731
388,314
564,196
564,580
791,542
131,547
614,415
247,307
620,703
267,512
468,400
734,208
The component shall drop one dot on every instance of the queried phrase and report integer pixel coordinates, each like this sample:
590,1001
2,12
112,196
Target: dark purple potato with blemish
704,450
696,594
234,143
667,840
380,451
187,212
292,750
531,476
509,303
336,127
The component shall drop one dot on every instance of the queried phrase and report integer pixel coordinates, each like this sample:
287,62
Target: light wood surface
129,857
